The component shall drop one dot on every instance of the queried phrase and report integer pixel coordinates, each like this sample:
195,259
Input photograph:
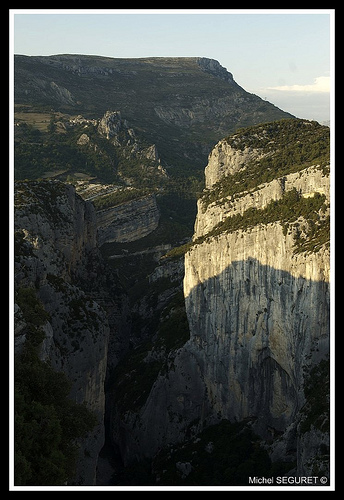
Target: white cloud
321,84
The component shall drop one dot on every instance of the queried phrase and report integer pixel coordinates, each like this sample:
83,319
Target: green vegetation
288,145
55,155
136,373
316,410
43,197
179,251
315,414
47,421
224,454
173,330
118,197
133,379
39,153
21,247
307,137
34,313
286,210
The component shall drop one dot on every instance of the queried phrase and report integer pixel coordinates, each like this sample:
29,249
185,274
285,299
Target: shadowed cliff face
255,333
263,327
58,261
257,302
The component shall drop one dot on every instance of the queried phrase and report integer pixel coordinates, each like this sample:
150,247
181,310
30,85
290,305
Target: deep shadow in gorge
256,334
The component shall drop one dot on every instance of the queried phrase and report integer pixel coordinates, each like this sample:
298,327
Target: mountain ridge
183,105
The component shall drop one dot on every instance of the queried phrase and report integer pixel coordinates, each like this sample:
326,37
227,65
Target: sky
284,56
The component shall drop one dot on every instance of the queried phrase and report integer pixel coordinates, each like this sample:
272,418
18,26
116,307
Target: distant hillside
181,105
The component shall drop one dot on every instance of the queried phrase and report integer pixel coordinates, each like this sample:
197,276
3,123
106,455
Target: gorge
255,335
196,336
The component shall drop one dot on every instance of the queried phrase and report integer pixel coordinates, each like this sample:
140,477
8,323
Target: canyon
196,332
254,325
258,313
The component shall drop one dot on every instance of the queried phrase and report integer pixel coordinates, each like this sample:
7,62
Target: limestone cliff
128,221
263,323
246,341
256,291
56,257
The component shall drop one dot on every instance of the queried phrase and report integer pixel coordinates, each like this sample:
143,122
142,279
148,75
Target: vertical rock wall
56,255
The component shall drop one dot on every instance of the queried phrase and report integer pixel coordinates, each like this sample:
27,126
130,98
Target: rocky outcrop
307,182
129,221
111,124
116,129
54,221
214,68
57,257
224,160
